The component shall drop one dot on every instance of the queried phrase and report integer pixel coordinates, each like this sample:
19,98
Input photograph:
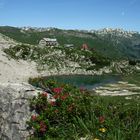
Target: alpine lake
88,82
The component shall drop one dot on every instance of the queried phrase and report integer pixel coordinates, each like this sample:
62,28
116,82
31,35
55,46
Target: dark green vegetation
76,113
110,45
133,78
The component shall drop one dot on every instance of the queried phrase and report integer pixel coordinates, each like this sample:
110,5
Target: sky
71,14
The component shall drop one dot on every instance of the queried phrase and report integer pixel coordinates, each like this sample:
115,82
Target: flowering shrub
72,113
57,90
66,102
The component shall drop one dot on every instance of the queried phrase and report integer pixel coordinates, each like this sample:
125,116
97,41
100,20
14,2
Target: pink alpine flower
57,90
33,117
43,127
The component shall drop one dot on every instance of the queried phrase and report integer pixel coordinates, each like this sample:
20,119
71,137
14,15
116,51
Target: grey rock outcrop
15,110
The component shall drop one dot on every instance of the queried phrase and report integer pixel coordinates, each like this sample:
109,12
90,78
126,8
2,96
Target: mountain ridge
113,43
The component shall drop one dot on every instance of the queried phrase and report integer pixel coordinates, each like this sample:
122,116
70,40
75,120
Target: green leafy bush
68,102
73,113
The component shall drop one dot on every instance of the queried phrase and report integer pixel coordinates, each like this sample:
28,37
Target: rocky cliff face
15,110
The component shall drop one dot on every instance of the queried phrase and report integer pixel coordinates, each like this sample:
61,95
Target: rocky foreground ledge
15,110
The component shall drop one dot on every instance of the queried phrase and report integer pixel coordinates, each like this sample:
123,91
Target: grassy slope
103,46
133,78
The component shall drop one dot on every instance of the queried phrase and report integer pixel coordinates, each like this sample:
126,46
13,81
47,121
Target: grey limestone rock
15,111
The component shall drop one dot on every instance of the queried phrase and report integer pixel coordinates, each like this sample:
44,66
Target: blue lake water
86,81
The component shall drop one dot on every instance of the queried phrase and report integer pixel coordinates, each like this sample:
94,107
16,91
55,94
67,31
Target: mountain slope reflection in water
86,81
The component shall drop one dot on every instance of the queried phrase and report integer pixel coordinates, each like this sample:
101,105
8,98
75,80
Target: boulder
15,110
